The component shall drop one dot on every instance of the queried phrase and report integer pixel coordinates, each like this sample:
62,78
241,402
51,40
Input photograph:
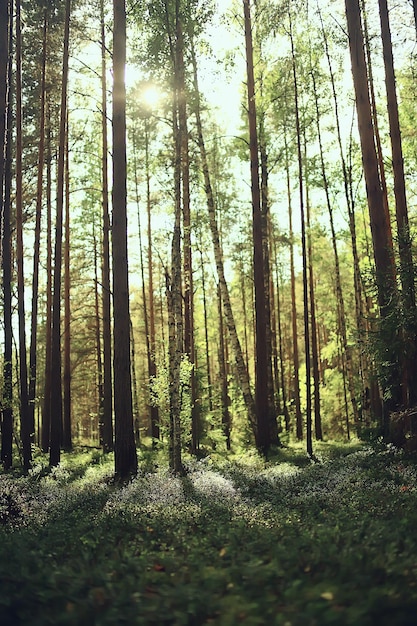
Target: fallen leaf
327,595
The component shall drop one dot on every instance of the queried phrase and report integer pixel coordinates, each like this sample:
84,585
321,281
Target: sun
151,96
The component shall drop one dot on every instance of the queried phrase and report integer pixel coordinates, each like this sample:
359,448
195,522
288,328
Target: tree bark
295,356
263,439
36,247
409,395
6,40
380,227
66,416
304,250
126,463
56,382
226,421
106,416
25,434
46,408
155,431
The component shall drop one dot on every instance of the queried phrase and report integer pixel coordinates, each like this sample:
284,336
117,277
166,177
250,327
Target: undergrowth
284,542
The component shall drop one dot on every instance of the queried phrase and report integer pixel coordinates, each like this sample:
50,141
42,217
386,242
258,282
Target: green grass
238,541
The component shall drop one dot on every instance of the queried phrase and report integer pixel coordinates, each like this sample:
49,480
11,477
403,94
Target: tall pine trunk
263,435
36,247
155,431
409,395
25,434
294,334
6,40
380,227
106,410
56,382
226,420
46,407
126,463
66,415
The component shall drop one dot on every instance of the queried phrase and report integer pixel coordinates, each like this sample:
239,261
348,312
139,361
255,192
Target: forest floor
244,541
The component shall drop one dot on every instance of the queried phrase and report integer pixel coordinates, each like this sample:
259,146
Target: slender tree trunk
296,375
145,306
374,113
106,417
263,439
189,346
273,391
314,343
380,228
126,463
66,416
175,318
206,333
25,433
304,251
226,421
152,343
6,40
242,370
135,397
56,382
36,250
99,360
4,59
415,13
281,352
46,408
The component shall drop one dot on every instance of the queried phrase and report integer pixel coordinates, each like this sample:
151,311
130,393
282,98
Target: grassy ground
233,542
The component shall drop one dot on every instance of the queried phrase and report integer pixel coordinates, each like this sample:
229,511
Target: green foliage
278,542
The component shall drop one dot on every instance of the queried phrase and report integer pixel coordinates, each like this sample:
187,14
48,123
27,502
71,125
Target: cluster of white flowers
211,484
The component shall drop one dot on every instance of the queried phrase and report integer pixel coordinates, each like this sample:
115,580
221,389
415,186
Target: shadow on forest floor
246,541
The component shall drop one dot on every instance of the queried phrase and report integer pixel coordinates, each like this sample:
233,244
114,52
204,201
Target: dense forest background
208,214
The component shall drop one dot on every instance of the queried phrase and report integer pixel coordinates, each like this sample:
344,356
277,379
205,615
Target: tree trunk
106,416
56,382
189,346
135,397
6,42
99,360
296,375
409,395
36,247
46,408
374,114
273,390
66,416
145,311
155,432
226,421
314,342
206,333
126,463
25,433
304,251
380,228
263,438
